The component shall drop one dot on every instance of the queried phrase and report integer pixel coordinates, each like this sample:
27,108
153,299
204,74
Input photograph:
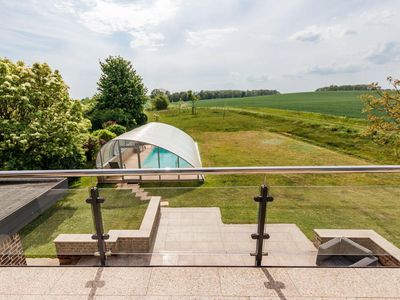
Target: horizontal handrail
205,170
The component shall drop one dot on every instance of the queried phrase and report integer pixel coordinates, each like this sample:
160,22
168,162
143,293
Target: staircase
136,189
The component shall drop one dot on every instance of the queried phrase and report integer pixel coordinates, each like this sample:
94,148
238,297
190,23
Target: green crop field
341,103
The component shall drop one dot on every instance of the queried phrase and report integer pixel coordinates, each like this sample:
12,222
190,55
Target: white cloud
382,17
334,69
385,53
136,18
258,78
208,37
151,41
317,33
107,16
208,44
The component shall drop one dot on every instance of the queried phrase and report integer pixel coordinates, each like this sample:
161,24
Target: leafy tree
116,129
122,94
383,111
104,135
193,98
160,102
157,92
40,126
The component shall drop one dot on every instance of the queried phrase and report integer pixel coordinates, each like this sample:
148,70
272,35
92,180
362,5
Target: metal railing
206,170
262,199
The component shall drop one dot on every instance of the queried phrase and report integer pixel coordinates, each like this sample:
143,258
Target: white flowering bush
40,126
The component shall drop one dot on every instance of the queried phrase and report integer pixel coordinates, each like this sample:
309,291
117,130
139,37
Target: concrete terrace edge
69,246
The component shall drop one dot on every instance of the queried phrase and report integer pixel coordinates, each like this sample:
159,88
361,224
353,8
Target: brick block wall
11,251
71,246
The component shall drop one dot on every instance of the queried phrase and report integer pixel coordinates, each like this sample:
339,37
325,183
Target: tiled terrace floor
197,237
197,283
200,237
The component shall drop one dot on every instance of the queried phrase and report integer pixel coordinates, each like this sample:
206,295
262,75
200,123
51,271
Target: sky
288,45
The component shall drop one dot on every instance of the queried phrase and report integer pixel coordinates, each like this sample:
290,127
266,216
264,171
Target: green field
246,138
341,103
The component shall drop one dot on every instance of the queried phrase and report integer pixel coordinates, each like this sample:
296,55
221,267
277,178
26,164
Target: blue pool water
167,160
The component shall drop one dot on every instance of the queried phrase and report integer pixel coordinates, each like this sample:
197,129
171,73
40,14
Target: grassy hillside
341,103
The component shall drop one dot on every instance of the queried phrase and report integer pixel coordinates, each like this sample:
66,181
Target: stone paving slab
198,237
198,283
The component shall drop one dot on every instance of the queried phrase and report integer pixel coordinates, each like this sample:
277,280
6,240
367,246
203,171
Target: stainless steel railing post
94,200
261,235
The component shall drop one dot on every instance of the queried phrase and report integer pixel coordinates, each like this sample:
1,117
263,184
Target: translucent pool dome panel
171,147
159,157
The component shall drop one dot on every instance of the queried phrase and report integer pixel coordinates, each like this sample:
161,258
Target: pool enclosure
154,145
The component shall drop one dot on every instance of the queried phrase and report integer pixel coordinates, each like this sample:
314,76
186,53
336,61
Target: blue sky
292,45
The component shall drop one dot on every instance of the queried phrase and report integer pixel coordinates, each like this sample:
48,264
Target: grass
72,214
244,138
341,103
340,134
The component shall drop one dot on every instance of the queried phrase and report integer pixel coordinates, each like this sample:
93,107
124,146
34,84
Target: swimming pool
167,160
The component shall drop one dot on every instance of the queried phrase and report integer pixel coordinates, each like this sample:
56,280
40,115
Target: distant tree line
347,87
205,94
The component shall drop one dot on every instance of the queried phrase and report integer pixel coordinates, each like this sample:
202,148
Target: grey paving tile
29,280
329,282
124,281
184,281
76,281
384,282
254,282
42,297
164,260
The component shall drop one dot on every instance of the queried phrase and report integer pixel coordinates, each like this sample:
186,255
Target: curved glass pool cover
154,145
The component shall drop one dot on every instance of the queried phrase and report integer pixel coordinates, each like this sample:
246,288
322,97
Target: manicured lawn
72,214
311,201
341,103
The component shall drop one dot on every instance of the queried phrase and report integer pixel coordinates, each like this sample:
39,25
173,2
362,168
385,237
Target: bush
160,102
117,115
116,128
91,147
104,135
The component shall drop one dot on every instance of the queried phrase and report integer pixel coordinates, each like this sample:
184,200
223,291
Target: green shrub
116,128
104,135
160,102
117,115
91,147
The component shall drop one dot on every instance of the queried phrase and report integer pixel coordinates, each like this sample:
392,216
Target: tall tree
40,126
383,111
122,94
193,98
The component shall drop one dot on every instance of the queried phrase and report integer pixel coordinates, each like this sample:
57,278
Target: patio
197,283
197,237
